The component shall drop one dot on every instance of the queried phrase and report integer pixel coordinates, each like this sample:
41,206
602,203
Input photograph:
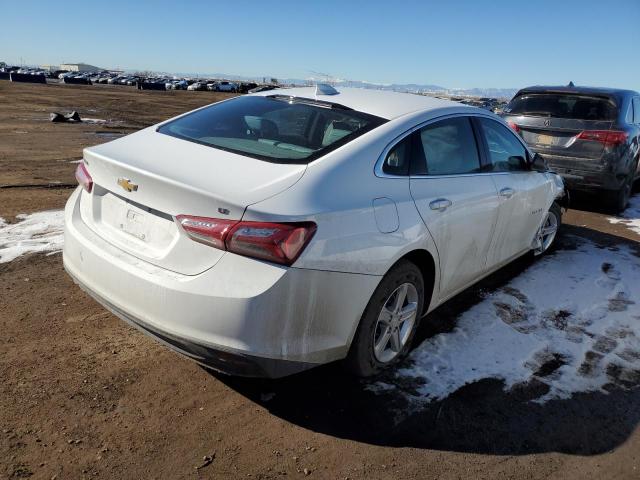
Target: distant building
79,67
51,68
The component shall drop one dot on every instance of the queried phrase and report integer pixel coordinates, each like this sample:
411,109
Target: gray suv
590,136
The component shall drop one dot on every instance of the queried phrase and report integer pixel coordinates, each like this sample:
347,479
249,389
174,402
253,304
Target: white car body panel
126,248
464,231
230,306
520,214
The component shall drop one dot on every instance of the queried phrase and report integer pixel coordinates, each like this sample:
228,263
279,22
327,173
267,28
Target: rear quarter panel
337,193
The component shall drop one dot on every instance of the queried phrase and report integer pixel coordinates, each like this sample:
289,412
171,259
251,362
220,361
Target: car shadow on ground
478,418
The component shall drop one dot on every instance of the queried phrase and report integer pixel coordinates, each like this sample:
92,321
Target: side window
506,153
397,160
636,110
629,117
450,147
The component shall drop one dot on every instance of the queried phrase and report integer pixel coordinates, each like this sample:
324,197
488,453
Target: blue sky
457,44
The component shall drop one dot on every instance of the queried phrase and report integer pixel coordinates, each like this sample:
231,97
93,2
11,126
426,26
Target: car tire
387,315
619,199
546,241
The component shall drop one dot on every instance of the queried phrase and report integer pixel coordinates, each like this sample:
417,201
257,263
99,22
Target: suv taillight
83,177
275,242
514,126
609,138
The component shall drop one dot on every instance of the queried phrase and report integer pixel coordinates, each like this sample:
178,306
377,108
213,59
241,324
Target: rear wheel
389,322
620,198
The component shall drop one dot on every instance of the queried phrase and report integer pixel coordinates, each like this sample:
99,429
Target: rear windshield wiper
308,101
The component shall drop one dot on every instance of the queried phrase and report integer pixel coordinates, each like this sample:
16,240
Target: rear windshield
559,105
276,128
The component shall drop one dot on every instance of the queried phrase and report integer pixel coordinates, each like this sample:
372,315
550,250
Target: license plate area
136,226
134,223
547,140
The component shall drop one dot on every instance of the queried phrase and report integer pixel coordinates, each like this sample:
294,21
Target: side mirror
517,162
539,163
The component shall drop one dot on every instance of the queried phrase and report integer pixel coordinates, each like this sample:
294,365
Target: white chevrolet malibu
270,233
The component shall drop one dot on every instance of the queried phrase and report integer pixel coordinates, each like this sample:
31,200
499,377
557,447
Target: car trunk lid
143,181
561,136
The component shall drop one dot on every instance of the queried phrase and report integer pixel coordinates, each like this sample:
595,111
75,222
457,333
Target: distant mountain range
507,93
426,88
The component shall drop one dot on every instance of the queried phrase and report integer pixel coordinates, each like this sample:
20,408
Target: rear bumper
242,316
587,181
231,363
584,179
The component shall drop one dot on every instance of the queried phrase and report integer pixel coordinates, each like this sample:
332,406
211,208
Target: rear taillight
514,127
275,242
210,231
83,177
609,138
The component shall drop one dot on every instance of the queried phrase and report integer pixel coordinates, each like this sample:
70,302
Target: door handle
441,204
507,192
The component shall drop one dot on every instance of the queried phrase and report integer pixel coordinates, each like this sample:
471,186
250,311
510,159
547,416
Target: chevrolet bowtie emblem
127,184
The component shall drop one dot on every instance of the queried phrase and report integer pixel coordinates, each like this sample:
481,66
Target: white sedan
270,233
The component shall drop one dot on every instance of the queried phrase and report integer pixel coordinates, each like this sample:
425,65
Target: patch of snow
94,120
36,232
569,321
631,216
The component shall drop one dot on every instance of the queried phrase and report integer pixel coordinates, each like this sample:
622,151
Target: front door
524,195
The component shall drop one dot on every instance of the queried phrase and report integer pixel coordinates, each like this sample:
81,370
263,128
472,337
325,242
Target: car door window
397,160
636,110
449,147
506,152
629,118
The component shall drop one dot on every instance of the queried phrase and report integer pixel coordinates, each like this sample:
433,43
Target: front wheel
546,234
389,322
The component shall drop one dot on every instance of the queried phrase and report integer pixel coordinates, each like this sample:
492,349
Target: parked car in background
197,86
225,86
304,228
263,88
244,87
590,136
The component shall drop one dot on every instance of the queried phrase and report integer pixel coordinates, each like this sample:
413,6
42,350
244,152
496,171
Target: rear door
552,124
456,201
524,194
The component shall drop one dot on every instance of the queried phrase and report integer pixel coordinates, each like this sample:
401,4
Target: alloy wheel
546,233
395,323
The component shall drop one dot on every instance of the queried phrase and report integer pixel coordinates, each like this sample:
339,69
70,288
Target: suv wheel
389,322
620,198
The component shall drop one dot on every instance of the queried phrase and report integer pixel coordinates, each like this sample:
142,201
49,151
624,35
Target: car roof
381,103
617,92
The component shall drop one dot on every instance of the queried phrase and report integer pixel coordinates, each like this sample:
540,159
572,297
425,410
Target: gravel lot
85,396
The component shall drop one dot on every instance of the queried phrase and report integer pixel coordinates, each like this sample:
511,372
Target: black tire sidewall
361,359
621,197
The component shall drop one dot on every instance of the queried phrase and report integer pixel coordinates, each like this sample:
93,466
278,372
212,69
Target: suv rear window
562,105
275,128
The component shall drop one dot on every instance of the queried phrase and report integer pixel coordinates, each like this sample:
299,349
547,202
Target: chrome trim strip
456,175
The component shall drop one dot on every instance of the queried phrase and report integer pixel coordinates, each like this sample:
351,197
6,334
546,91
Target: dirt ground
85,396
